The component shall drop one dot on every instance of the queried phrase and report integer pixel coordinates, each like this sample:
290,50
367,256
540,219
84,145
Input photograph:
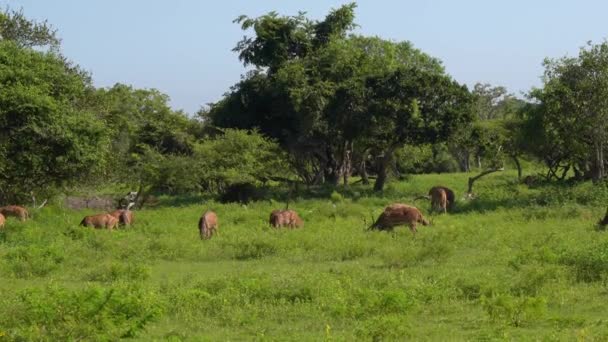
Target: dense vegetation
517,263
321,114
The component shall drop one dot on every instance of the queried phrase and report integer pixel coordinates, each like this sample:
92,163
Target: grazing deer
285,218
100,221
207,225
16,211
399,214
442,198
124,216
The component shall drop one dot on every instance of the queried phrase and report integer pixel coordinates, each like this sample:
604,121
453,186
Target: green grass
513,264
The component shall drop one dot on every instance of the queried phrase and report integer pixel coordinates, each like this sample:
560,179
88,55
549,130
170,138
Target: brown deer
442,198
100,221
124,216
16,211
207,225
439,199
399,214
2,220
285,218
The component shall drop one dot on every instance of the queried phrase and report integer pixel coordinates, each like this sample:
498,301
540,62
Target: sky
184,47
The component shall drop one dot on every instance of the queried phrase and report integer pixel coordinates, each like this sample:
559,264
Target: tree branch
484,173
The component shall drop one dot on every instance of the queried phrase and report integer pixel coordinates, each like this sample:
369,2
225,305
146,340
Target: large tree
411,106
48,136
310,91
24,32
573,111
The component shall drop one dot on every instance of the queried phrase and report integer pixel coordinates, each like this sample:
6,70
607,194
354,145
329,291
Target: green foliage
514,311
239,156
48,138
58,313
509,263
15,27
325,92
493,103
572,105
589,263
336,197
27,262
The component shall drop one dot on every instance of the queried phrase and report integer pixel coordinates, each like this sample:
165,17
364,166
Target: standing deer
207,225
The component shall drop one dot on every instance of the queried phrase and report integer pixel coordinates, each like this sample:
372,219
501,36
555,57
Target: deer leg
413,228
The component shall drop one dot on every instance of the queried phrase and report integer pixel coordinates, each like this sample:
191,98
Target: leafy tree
15,27
410,106
494,102
313,102
48,138
281,39
140,121
573,112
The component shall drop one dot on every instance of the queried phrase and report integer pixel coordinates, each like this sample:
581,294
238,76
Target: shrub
589,263
93,313
118,271
514,311
382,328
34,261
336,197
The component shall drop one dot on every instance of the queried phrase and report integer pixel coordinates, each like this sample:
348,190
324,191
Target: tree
281,39
574,110
494,102
48,138
310,91
410,106
26,33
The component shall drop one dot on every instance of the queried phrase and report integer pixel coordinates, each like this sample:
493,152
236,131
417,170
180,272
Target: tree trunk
382,176
347,163
464,161
332,174
383,169
604,221
518,165
363,172
598,163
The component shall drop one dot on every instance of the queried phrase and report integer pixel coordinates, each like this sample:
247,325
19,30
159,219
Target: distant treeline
320,105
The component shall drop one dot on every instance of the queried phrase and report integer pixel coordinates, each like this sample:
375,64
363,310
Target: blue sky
183,47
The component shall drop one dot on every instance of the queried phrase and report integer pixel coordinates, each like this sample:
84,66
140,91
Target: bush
239,157
94,313
336,197
589,263
390,328
34,261
118,271
514,311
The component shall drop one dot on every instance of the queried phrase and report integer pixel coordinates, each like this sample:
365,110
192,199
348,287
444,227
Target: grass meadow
515,263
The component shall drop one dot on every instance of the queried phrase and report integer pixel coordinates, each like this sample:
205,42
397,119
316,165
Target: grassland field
516,263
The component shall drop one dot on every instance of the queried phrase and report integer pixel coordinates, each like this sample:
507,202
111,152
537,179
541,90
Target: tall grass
516,263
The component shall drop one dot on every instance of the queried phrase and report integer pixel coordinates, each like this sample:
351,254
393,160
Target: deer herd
397,214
